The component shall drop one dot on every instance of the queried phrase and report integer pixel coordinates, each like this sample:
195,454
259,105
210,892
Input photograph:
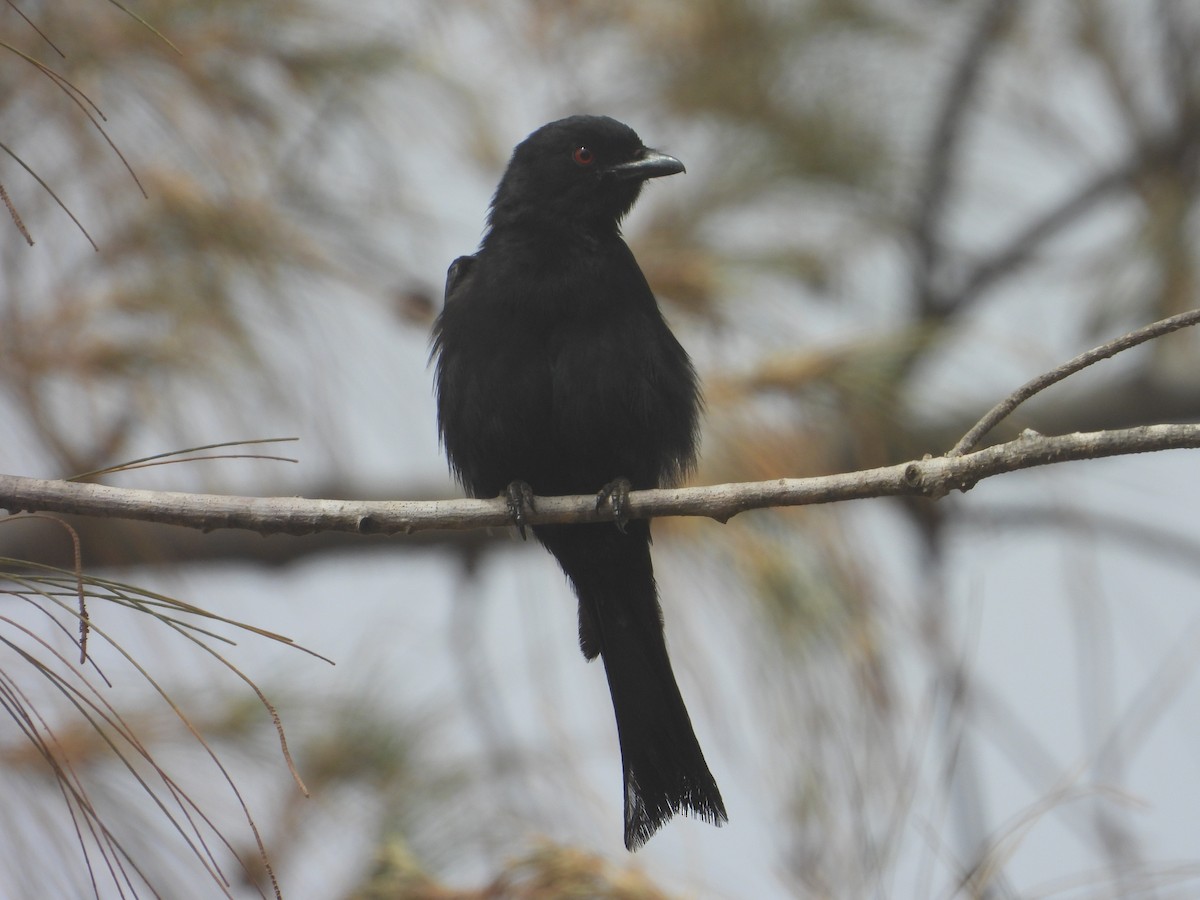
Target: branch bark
932,477
1106,350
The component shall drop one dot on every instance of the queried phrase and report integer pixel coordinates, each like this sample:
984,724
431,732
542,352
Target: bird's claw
616,495
519,496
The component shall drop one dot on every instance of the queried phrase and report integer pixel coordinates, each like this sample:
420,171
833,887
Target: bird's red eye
583,156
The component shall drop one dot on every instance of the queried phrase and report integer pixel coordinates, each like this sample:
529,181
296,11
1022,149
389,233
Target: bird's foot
520,501
616,495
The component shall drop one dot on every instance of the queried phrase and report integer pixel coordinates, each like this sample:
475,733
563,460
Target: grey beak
649,164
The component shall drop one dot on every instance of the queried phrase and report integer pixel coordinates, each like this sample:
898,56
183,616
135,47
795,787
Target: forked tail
620,619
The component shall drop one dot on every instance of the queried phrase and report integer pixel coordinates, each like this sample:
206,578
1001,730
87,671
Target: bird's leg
520,500
616,494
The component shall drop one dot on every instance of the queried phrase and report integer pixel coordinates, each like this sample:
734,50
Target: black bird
556,374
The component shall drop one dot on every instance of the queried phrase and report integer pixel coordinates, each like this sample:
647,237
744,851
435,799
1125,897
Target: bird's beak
649,164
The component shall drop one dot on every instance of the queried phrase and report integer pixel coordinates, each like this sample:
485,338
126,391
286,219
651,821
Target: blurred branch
1171,147
15,216
1040,230
933,477
945,140
1130,534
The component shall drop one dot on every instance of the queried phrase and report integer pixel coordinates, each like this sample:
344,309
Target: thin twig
163,458
158,34
16,216
39,31
50,191
1005,407
79,98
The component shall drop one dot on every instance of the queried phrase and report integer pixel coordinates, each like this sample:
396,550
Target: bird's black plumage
556,370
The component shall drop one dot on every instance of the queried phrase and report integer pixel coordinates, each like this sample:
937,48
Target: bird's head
581,171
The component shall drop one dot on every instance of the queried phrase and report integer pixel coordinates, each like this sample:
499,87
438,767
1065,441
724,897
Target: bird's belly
602,413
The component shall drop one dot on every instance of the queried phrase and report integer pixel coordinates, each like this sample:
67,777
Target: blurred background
241,213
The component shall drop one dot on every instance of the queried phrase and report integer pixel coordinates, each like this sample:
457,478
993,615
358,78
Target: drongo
556,374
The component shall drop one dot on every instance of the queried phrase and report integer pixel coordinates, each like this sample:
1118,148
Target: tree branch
932,477
1001,410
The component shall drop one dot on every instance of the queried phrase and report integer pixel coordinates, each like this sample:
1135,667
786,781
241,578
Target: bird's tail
620,619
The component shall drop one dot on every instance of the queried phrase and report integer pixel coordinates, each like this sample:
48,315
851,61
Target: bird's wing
456,275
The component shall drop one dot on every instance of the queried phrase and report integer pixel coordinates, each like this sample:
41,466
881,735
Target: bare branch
1111,348
930,477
